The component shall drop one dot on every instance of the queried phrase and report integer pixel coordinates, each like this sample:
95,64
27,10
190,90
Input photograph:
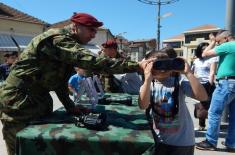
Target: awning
13,42
22,41
6,43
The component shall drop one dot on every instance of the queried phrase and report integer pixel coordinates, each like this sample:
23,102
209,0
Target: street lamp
158,3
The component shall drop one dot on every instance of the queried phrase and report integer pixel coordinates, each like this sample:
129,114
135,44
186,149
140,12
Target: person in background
10,58
224,93
204,69
46,65
165,93
109,49
74,83
119,83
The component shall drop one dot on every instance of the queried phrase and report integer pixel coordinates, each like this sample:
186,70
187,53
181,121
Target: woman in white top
204,69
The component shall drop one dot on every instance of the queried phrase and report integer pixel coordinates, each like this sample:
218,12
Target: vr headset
169,64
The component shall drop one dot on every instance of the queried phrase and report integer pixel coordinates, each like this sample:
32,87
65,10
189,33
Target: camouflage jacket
46,65
110,84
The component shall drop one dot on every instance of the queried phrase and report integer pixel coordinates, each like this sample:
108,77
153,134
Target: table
128,134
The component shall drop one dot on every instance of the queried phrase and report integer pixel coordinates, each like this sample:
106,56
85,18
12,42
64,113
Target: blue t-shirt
177,130
4,71
74,81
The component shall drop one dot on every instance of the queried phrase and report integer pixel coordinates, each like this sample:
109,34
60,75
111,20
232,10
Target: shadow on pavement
222,134
202,134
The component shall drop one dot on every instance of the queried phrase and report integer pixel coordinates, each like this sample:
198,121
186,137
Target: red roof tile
203,27
9,13
177,37
61,24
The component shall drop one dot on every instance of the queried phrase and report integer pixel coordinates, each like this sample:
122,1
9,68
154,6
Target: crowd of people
48,63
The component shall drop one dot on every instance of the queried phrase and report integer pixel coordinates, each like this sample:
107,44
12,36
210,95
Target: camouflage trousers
9,131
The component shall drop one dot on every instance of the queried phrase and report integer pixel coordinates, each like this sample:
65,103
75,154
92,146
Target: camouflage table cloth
127,134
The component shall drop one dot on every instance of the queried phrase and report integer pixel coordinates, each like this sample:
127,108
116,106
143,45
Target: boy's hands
148,71
144,63
186,68
146,66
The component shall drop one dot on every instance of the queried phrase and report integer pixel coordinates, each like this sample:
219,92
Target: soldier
46,65
109,49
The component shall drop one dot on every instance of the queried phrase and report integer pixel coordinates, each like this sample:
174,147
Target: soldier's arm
63,95
69,51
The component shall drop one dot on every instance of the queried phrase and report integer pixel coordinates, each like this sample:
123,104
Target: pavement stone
199,134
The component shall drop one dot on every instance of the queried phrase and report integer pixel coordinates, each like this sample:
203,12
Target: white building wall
21,28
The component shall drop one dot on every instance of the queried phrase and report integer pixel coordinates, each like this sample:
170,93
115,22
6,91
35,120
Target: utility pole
230,14
229,25
159,3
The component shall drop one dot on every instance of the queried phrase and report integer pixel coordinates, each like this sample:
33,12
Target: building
17,29
139,48
177,42
186,43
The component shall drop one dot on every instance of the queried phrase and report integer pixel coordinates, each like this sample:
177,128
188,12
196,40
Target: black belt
226,78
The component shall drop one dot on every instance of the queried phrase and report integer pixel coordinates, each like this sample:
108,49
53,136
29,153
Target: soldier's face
85,34
110,52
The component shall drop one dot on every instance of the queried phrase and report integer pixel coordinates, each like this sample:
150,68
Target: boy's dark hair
199,49
8,54
169,51
156,54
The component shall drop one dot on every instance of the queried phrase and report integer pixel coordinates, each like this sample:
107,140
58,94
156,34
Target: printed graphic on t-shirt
165,118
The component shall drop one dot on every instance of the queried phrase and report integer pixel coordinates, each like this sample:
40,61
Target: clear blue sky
137,19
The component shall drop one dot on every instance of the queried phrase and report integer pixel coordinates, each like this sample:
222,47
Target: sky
130,18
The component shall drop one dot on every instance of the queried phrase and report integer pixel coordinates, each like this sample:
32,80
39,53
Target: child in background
75,82
10,58
164,92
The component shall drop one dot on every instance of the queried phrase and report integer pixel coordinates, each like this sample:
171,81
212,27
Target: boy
75,82
10,58
163,92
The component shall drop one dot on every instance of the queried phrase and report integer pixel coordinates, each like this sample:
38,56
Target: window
173,44
181,53
193,37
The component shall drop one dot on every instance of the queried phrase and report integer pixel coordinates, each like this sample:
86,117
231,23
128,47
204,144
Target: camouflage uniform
46,65
126,132
109,82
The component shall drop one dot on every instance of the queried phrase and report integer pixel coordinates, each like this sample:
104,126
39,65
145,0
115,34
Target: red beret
110,43
86,20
